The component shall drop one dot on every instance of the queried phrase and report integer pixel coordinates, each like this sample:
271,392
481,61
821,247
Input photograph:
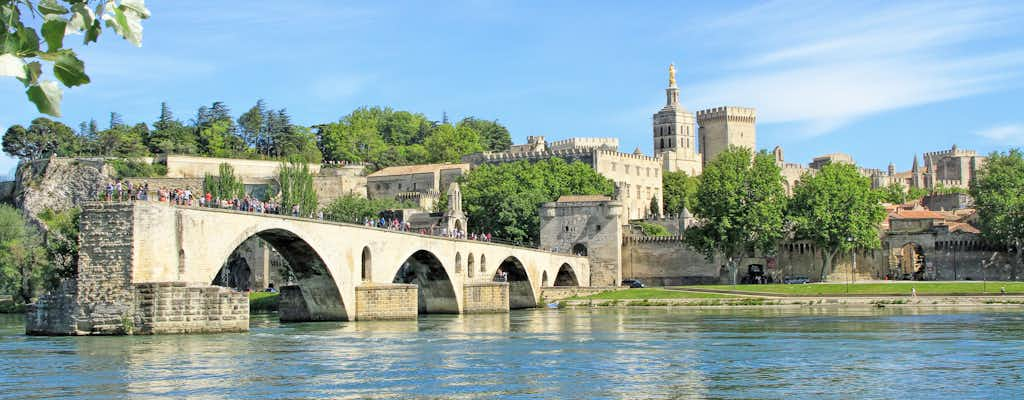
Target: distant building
722,127
421,184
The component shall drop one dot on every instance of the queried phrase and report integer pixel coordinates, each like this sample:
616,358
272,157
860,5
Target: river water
589,353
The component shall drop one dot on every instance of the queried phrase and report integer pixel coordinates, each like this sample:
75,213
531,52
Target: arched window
470,267
483,263
458,263
366,265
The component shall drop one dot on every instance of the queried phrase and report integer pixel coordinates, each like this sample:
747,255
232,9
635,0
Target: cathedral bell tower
675,133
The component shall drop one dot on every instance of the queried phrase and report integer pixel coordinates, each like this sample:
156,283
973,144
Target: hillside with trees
378,136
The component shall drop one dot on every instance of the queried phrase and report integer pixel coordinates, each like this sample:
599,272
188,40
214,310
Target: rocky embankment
57,184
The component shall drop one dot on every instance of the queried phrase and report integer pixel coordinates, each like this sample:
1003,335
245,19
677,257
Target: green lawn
651,294
260,302
888,288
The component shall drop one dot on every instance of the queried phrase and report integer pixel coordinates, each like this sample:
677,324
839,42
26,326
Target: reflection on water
590,353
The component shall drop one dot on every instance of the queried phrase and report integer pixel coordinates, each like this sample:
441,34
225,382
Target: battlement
505,156
953,152
628,155
648,239
730,113
950,183
584,142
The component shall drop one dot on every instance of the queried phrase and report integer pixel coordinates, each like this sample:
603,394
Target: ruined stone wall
485,297
105,294
386,301
104,300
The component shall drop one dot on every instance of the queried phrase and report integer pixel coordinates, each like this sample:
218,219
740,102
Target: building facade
721,127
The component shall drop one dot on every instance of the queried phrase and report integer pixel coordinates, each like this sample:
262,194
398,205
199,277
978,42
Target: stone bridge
163,260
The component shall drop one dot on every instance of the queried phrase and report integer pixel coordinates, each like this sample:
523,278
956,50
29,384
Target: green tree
225,185
355,209
740,207
494,136
42,138
61,238
448,143
915,193
893,194
998,193
503,199
837,210
679,191
22,56
22,256
296,185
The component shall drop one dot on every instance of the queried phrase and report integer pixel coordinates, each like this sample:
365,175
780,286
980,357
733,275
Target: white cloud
824,67
1009,134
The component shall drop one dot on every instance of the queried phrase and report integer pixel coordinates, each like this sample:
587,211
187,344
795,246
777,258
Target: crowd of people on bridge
124,190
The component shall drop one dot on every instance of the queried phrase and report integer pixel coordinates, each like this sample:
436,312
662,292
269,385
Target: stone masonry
485,297
386,301
103,300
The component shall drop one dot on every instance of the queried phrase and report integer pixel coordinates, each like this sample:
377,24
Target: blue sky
881,81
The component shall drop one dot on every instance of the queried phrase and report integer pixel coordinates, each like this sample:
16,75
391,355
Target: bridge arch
435,293
566,276
314,294
520,291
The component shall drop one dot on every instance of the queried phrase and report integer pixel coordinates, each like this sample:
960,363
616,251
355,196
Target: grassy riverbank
651,294
873,288
263,302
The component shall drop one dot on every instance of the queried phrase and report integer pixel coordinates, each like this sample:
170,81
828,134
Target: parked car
796,280
632,283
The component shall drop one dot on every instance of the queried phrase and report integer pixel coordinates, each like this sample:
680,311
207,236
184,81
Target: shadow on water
582,353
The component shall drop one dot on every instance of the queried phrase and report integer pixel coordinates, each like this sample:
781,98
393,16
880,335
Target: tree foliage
740,207
503,199
296,185
23,58
61,239
23,263
998,193
355,209
42,138
679,191
384,137
837,210
224,185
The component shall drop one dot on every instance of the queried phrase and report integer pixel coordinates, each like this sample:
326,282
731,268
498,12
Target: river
545,353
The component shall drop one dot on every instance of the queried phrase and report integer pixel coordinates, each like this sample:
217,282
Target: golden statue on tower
672,74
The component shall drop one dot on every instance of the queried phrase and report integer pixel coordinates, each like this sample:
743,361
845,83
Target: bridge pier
485,297
386,301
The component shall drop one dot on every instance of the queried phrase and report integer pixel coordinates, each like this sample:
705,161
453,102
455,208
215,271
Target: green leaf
53,32
32,72
11,65
28,44
82,18
50,7
46,95
69,69
126,19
